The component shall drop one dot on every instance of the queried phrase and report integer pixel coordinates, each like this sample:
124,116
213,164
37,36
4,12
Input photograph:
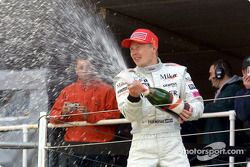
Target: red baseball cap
141,36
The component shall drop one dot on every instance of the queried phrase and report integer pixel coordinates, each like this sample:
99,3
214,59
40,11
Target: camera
72,106
248,71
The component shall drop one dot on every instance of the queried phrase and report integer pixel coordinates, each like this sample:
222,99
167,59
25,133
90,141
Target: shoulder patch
175,66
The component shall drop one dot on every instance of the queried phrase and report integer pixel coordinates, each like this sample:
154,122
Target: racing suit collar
151,68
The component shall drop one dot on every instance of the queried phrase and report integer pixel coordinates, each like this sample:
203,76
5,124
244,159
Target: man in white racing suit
156,133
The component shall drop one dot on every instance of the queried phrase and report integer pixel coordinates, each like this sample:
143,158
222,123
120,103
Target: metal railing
43,125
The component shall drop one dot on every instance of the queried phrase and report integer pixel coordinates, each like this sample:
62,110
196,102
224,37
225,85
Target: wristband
133,99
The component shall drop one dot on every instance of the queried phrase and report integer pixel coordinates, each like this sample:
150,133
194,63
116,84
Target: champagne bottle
158,97
164,100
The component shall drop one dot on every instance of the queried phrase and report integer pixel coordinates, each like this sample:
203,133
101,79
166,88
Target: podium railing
43,125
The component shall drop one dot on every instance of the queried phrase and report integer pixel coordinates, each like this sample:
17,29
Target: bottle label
177,105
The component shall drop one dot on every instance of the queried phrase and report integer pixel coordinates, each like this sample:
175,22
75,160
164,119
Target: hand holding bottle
186,113
166,101
159,97
136,88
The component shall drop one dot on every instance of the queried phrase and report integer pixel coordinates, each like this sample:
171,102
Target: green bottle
165,101
159,97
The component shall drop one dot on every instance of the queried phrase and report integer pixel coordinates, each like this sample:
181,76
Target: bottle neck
147,91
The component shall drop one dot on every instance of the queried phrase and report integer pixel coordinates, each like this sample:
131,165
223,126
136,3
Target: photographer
242,104
85,100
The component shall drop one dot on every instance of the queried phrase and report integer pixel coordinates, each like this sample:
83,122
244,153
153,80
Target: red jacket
98,96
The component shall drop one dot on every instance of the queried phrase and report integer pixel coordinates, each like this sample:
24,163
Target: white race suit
156,133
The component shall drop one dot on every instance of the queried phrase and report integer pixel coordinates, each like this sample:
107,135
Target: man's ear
154,48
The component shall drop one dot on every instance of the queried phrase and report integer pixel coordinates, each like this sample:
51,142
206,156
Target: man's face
143,54
212,77
83,69
246,78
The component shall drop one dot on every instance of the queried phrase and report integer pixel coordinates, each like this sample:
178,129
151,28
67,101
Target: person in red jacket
88,99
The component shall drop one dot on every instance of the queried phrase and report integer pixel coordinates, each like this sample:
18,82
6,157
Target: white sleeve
131,111
191,95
